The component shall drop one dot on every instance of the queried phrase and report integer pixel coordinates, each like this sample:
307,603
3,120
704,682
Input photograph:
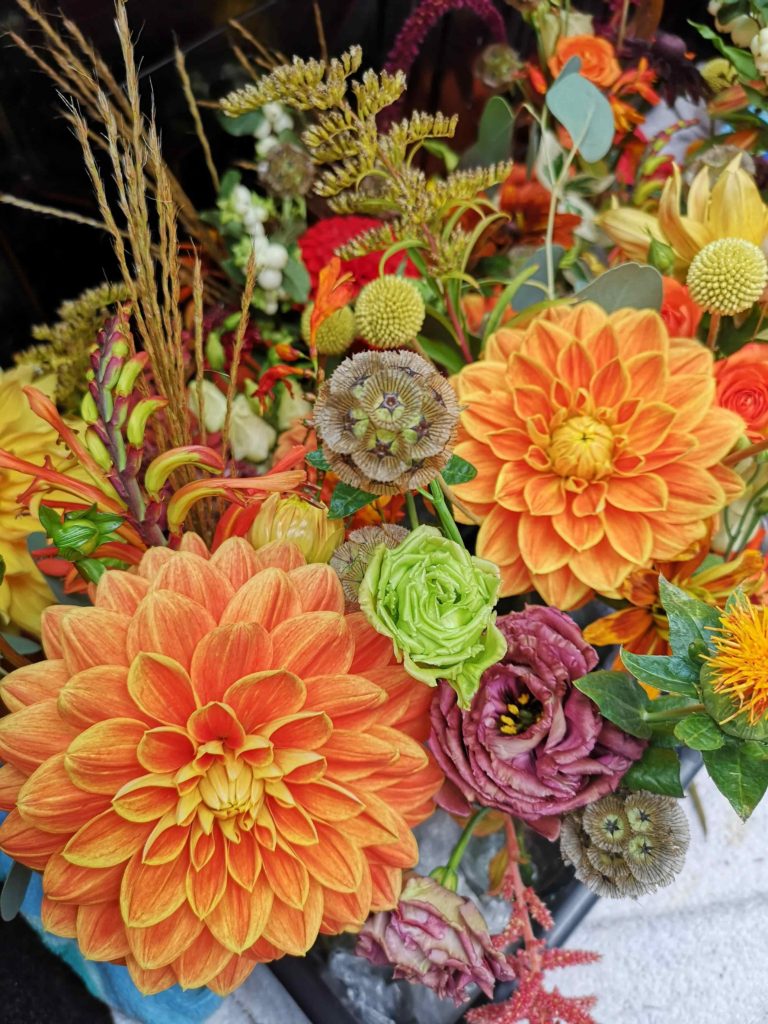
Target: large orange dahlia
214,764
598,445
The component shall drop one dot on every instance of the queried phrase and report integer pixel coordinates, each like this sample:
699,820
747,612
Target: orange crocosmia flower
527,202
598,443
598,59
215,764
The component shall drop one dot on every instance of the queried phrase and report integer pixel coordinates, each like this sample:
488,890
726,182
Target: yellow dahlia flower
598,446
732,208
23,592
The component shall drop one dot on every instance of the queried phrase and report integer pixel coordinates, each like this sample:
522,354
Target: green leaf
442,150
318,460
346,500
584,112
442,352
630,285
296,280
14,890
743,62
621,700
657,771
675,674
244,124
458,471
494,135
505,299
699,732
739,769
721,707
532,292
690,620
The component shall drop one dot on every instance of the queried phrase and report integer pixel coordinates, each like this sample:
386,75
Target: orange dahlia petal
649,426
387,884
354,755
591,501
622,627
216,721
580,532
59,918
280,554
542,548
529,373
50,628
150,982
483,376
232,976
150,893
147,798
602,568
192,543
50,801
630,534
93,636
196,578
610,385
326,800
120,591
227,654
335,862
237,560
11,781
32,684
265,696
294,824
165,842
105,841
319,588
544,341
562,588
159,944
25,843
240,917
153,560
638,331
497,538
574,366
72,884
269,599
201,961
103,757
165,750
313,639
502,344
649,375
100,932
544,495
694,493
287,875
646,493
601,345
371,649
487,412
344,910
293,930
97,694
161,688
170,624
33,734
244,860
205,886
342,696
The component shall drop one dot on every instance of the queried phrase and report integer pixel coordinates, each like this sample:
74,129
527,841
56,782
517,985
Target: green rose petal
436,602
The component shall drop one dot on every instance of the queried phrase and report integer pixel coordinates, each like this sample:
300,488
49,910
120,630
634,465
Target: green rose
436,602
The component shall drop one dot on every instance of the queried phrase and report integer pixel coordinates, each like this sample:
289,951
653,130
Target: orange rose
742,387
678,310
598,59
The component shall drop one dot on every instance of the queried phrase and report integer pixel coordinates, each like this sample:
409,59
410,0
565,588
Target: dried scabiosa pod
387,421
626,845
350,561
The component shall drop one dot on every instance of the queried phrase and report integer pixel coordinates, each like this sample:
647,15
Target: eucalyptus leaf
620,699
699,732
494,135
739,769
629,285
347,500
584,112
458,471
675,674
534,289
14,890
657,771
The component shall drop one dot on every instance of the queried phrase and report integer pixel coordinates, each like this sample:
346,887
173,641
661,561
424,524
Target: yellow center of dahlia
582,447
741,662
728,276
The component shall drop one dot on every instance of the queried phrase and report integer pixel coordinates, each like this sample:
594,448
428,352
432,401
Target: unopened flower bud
296,520
661,256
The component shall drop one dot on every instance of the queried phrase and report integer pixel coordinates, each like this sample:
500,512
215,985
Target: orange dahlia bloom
214,764
597,443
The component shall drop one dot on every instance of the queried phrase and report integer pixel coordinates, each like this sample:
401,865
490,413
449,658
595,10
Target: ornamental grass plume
598,446
531,744
214,764
626,845
386,421
436,938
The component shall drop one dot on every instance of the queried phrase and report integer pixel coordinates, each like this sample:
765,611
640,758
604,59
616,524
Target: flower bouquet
313,519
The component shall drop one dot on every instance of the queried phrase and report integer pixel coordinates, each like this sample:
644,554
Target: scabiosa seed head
335,334
287,170
387,421
351,560
728,276
626,845
389,312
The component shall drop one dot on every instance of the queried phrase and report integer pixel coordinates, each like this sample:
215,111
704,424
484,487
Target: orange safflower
215,764
598,445
598,58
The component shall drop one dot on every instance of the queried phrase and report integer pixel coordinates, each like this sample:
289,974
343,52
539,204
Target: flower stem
714,328
447,522
674,713
410,504
460,848
518,886
745,453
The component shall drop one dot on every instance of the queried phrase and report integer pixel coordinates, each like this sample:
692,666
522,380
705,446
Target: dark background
44,260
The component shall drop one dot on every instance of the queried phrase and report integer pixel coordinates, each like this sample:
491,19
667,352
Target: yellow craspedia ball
719,74
389,312
335,334
728,276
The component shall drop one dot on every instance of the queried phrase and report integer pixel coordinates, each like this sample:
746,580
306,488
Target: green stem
460,847
410,504
450,529
673,714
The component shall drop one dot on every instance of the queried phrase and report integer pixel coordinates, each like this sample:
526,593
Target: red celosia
319,243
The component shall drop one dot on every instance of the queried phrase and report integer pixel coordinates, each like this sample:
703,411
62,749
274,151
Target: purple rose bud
437,938
531,744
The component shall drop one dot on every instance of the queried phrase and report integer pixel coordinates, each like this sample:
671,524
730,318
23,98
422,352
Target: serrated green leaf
318,460
584,112
629,285
494,135
14,890
743,61
739,769
620,699
690,620
346,500
699,732
657,771
721,707
675,674
458,471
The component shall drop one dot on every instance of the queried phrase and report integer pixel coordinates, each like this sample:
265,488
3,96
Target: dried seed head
350,561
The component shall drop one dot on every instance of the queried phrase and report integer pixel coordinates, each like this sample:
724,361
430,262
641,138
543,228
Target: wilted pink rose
437,938
531,744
